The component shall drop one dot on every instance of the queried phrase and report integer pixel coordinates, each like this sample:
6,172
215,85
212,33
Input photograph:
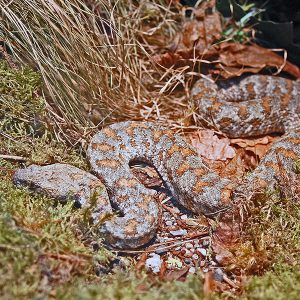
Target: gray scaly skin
193,184
62,182
250,106
257,106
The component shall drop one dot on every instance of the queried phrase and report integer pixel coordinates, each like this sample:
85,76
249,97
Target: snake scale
251,106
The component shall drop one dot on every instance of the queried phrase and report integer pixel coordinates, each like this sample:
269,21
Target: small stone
205,270
169,223
205,243
161,250
188,253
202,251
153,263
219,275
173,263
177,248
183,217
160,239
195,256
175,210
192,270
179,232
189,245
188,261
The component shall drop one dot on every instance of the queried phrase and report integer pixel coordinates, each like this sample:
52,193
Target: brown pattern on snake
250,106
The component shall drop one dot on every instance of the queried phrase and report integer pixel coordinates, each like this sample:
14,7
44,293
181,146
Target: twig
230,282
13,157
154,248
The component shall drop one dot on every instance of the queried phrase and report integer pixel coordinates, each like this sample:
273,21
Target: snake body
253,106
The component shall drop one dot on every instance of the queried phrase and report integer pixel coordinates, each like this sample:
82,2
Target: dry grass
95,57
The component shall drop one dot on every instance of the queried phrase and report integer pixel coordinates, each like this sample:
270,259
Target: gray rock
153,263
219,275
189,245
179,232
202,251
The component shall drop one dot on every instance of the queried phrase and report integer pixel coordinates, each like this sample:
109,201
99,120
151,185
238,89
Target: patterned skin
253,106
278,161
189,179
250,106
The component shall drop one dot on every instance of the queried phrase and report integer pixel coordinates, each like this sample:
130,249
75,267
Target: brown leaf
257,146
209,284
141,263
235,168
177,274
251,58
163,270
209,146
222,255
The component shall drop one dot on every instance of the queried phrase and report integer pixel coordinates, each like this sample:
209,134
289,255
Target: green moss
127,285
280,284
19,99
34,237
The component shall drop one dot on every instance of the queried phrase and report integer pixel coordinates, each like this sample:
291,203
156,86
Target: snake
245,107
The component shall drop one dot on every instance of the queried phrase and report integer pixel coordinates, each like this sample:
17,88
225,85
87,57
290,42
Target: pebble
205,243
219,275
202,251
153,263
195,256
189,246
183,217
169,223
192,270
161,250
176,210
188,261
173,263
179,232
188,253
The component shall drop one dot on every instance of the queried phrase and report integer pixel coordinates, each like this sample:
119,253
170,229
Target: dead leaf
222,255
141,263
210,146
197,40
177,274
254,148
251,58
209,284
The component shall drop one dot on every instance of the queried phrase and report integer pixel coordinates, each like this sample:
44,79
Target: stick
13,157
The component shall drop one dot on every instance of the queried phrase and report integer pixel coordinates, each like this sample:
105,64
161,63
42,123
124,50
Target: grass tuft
92,57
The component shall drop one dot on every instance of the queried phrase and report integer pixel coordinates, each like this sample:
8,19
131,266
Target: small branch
13,157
